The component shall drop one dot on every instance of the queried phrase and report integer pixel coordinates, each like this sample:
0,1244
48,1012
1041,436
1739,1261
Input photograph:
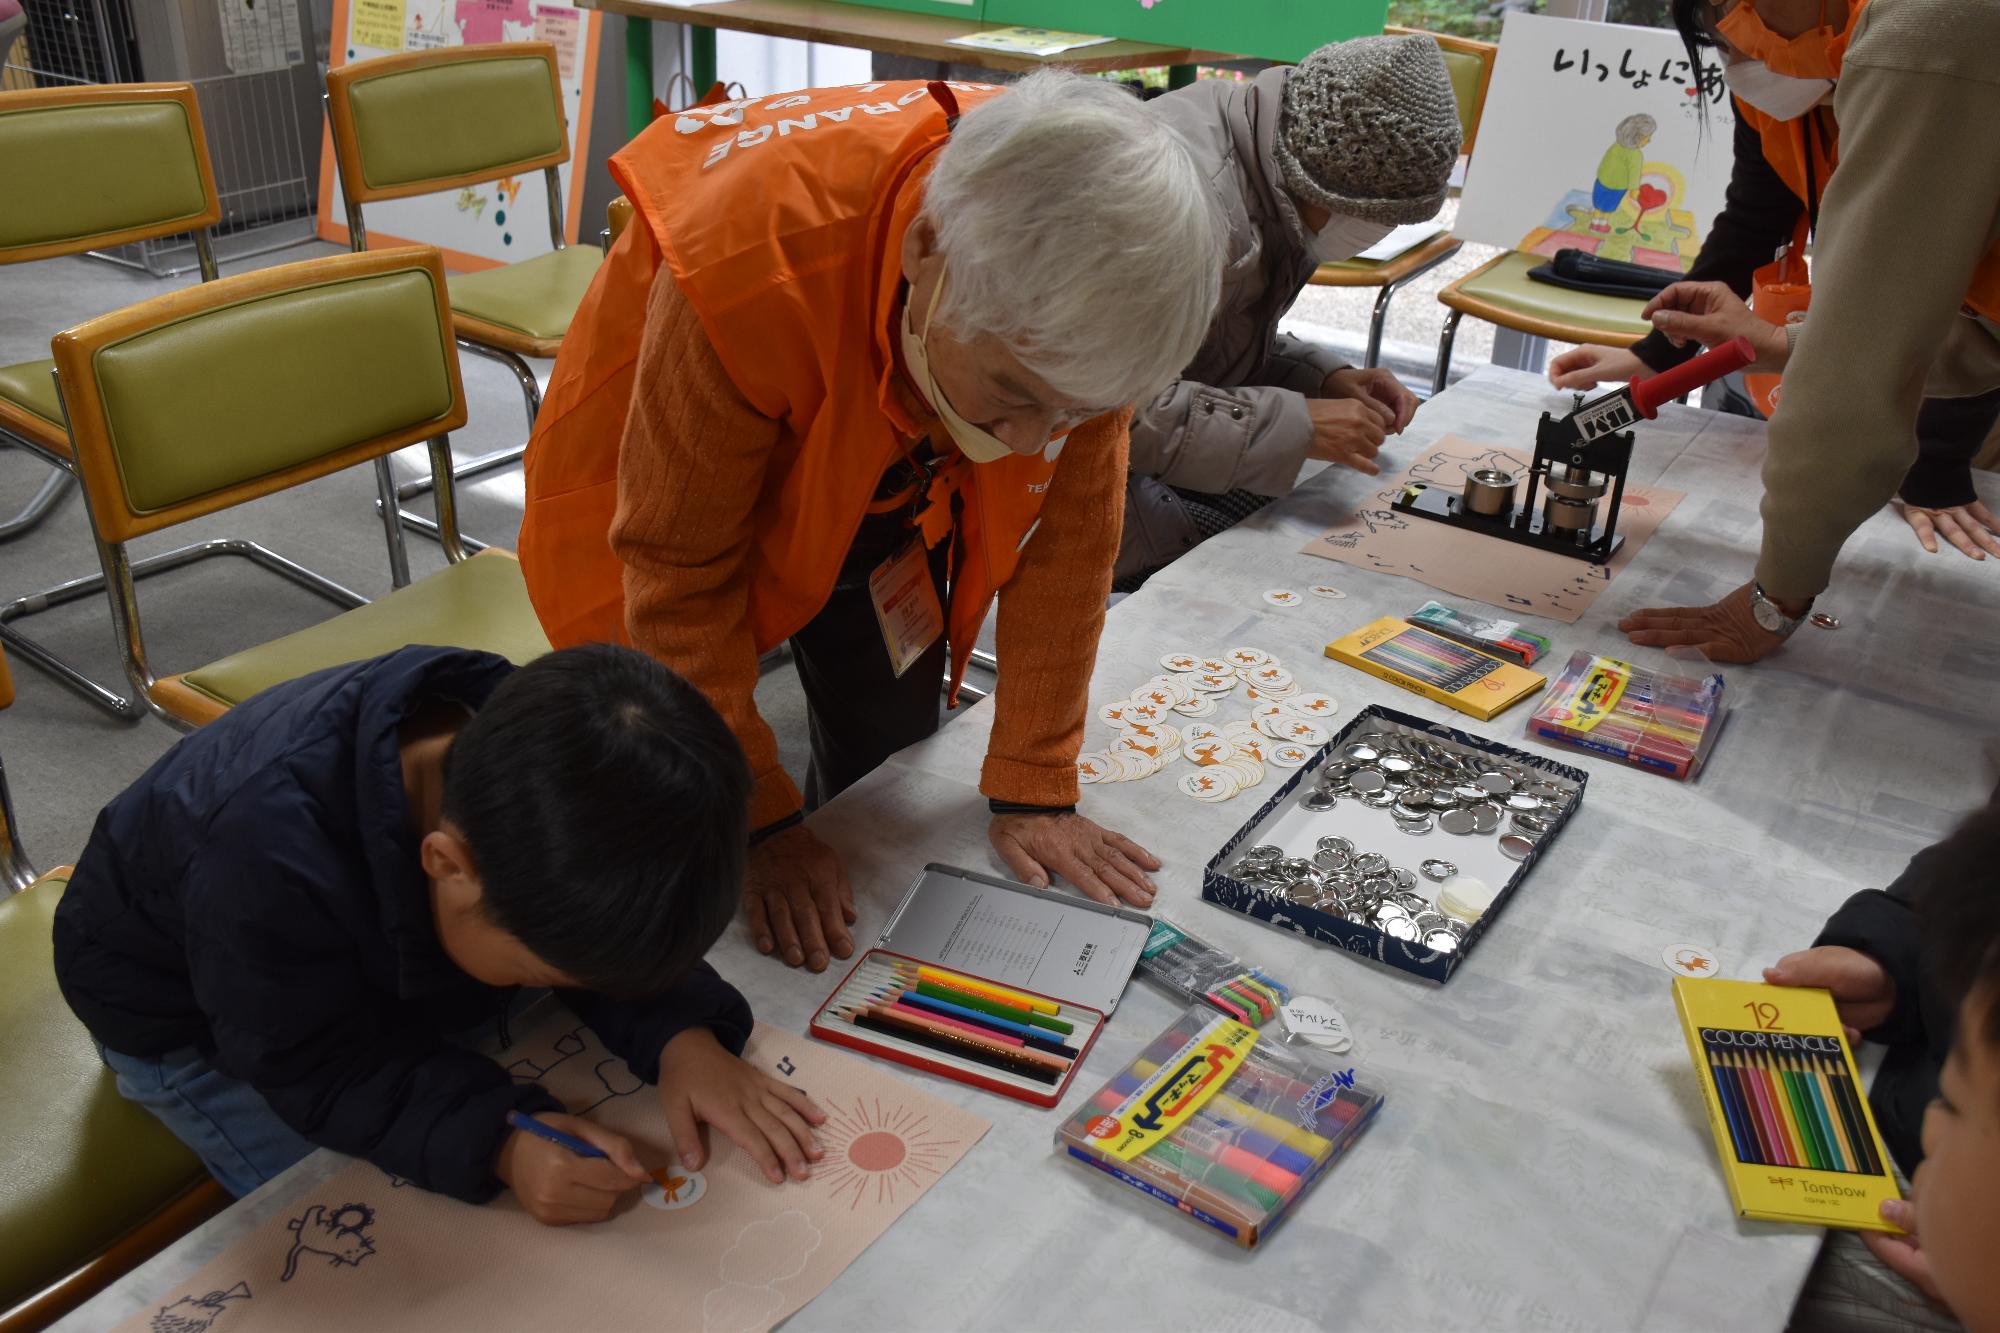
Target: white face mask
1780,96
1344,237
978,445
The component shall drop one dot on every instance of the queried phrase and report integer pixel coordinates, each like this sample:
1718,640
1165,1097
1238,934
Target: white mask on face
1344,237
978,445
1779,96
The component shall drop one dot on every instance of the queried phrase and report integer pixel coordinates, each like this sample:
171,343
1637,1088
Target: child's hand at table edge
701,1083
1904,1255
1864,994
559,1188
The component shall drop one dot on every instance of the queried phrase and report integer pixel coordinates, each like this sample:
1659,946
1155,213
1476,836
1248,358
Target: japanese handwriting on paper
1703,84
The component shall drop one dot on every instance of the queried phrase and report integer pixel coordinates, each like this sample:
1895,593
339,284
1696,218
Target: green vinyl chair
1470,66
149,177
16,872
333,363
91,1185
447,119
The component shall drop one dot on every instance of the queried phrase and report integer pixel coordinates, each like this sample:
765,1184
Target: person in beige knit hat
1308,164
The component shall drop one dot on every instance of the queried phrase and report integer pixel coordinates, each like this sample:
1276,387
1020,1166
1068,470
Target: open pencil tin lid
1046,941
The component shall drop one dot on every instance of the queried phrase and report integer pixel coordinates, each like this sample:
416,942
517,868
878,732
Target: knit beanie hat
1369,128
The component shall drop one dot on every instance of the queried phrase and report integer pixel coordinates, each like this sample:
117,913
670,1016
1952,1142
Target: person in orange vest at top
863,361
1901,345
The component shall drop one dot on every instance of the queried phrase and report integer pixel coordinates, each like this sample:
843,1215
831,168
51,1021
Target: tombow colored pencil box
1223,1126
1791,1119
1429,664
987,982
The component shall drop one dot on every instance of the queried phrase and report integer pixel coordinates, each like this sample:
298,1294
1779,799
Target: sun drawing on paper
871,1151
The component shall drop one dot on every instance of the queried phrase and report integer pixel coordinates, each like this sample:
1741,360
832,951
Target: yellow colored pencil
986,988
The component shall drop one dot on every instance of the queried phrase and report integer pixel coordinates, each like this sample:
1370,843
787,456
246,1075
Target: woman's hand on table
1971,528
1710,314
1104,865
1724,632
797,899
1864,994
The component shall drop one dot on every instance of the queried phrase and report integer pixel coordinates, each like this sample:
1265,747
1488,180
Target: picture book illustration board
1593,139
1471,564
718,1250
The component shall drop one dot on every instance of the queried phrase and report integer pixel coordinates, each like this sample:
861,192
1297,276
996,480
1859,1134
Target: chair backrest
101,164
15,872
617,216
1470,65
213,395
444,118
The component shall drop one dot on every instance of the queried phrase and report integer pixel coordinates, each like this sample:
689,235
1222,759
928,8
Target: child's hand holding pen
565,1169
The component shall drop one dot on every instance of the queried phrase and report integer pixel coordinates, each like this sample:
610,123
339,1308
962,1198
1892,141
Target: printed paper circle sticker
673,1188
1327,590
1691,960
1283,597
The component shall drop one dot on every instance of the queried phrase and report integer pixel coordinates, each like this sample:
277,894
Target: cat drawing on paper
194,1314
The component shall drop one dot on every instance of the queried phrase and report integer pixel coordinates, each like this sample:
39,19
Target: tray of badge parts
1400,839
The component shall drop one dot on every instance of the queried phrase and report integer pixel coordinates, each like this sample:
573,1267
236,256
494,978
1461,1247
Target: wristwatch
1770,615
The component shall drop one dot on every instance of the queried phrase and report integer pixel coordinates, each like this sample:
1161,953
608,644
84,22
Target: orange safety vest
782,219
1814,138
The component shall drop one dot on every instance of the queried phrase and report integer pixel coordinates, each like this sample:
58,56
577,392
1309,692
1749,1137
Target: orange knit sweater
691,465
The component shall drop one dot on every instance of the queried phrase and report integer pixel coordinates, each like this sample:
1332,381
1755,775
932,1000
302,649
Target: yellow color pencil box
1791,1119
1429,664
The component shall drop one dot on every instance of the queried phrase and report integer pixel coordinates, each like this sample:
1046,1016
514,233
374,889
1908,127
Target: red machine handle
1712,365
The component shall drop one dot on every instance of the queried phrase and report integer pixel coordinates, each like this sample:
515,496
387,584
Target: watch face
1769,616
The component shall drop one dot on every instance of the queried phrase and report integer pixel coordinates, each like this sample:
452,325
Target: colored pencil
989,989
1012,1013
1782,1111
1768,1153
1829,1122
1732,1114
958,1024
964,1047
1791,1104
1053,1063
1036,1039
1833,1068
1819,1153
1782,1151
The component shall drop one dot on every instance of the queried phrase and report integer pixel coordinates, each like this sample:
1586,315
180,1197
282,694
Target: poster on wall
477,226
1598,137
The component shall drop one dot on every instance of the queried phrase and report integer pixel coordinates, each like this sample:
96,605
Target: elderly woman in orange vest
1902,340
858,366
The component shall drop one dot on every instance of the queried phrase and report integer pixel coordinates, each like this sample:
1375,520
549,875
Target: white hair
1077,229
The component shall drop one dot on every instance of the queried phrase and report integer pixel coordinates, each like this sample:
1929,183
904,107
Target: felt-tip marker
527,1124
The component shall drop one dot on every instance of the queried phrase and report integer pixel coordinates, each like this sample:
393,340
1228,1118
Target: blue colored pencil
1037,1038
527,1124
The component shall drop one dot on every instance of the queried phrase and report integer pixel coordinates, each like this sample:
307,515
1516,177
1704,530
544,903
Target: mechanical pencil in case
1262,1130
1192,968
1014,1042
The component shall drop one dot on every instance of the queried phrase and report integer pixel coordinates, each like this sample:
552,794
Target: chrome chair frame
524,374
120,572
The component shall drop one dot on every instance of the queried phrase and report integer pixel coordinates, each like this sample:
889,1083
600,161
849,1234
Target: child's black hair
1962,916
605,804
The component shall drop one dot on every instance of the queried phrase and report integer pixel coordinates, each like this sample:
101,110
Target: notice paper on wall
1029,41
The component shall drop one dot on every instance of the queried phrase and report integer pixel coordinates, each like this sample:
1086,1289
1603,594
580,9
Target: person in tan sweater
857,367
1906,283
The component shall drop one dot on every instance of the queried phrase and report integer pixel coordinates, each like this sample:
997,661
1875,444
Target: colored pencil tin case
1660,723
987,982
1286,821
1225,1127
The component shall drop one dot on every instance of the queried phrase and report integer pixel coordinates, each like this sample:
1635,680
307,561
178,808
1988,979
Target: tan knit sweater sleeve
1051,613
690,469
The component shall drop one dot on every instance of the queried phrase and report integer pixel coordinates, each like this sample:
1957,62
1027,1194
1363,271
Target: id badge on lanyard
906,605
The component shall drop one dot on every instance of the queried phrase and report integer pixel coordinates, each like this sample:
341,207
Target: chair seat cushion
29,387
79,1165
478,603
1507,285
536,297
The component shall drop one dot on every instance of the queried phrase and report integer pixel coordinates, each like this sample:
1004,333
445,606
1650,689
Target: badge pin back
1690,960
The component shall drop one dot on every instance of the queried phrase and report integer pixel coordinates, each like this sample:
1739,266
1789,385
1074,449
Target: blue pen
527,1124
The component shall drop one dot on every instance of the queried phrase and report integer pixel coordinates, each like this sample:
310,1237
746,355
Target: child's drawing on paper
338,1235
196,1314
719,1249
1587,143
